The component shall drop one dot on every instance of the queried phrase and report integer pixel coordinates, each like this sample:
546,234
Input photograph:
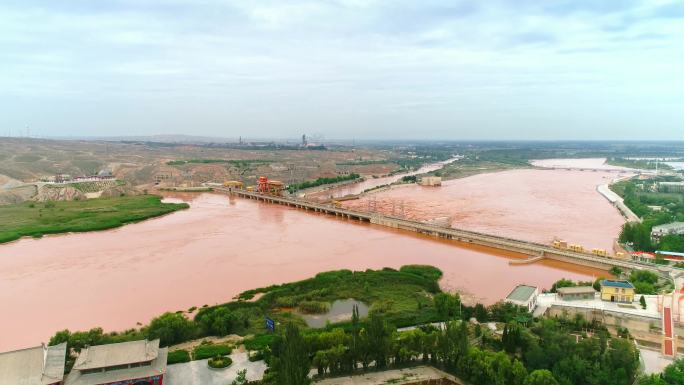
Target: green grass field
37,219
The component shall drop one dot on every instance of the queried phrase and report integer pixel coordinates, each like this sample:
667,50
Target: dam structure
530,249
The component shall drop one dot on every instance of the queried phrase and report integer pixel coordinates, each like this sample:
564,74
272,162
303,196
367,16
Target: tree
217,321
642,301
480,312
653,379
241,378
354,342
597,283
674,373
616,271
560,284
518,373
447,305
541,377
293,363
170,328
377,339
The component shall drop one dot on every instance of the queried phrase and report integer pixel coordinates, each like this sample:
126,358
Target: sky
344,69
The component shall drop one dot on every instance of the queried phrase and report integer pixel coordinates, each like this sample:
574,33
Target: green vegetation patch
655,208
321,181
234,162
643,164
362,162
209,350
27,158
36,219
220,362
177,357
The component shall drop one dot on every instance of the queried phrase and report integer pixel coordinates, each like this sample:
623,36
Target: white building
42,365
431,181
676,228
525,296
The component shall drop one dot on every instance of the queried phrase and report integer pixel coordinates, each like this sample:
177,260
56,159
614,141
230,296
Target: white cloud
338,64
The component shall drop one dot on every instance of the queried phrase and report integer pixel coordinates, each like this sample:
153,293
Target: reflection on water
340,310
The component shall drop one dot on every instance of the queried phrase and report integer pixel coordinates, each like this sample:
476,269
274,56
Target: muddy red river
533,205
215,250
370,182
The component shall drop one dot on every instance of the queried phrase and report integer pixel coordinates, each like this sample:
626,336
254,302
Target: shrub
430,272
211,350
314,307
170,328
220,362
259,342
256,356
177,357
218,321
286,302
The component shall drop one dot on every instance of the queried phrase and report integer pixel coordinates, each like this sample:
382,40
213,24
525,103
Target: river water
370,182
533,205
209,253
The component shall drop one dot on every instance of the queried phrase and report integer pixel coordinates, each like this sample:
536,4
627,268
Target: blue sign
270,324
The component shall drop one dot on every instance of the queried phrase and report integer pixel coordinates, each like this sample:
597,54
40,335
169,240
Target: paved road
198,372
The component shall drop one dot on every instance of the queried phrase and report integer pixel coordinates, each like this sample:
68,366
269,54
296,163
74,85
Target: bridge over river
530,249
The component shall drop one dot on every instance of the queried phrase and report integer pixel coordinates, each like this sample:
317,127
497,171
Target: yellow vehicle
560,244
599,252
234,184
576,248
337,204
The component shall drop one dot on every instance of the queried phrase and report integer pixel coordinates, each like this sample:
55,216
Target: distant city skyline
344,69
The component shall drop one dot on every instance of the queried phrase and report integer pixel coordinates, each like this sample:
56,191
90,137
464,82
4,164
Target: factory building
674,228
675,187
42,365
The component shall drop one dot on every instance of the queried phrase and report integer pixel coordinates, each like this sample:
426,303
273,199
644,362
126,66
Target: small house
576,293
617,291
525,296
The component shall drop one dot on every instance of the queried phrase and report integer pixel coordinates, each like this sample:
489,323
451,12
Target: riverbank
35,219
218,248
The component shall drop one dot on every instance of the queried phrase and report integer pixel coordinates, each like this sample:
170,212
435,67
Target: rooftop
670,253
521,293
41,365
668,226
157,367
614,283
595,303
102,356
576,290
419,374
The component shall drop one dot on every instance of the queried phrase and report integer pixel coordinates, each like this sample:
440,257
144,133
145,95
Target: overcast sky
365,69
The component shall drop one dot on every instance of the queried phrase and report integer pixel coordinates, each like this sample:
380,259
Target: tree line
542,352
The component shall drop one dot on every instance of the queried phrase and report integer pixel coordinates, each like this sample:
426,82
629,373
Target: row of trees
639,234
321,181
547,352
672,375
